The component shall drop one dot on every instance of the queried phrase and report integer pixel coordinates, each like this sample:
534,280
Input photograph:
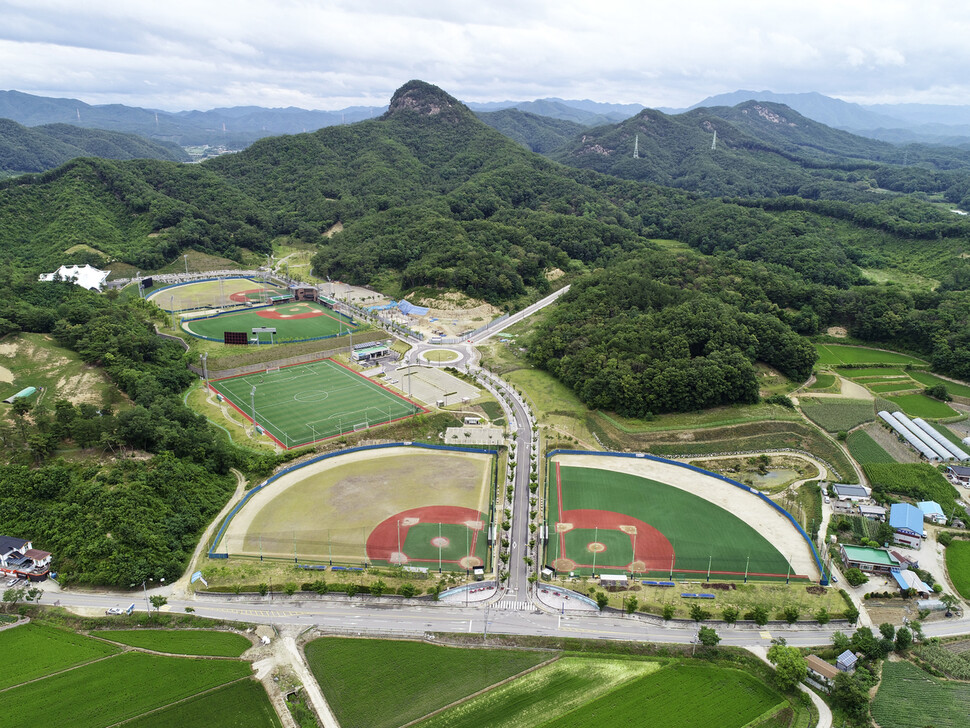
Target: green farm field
181,641
843,355
823,381
296,321
210,294
242,703
919,405
621,522
865,450
309,402
874,373
682,695
958,566
900,385
355,507
547,696
835,413
33,650
908,697
929,380
114,689
430,676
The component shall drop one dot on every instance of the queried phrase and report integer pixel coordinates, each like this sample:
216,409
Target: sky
331,54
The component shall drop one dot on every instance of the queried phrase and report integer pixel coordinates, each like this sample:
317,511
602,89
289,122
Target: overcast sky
329,54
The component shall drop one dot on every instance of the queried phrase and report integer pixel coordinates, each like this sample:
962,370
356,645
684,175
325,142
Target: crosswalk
512,605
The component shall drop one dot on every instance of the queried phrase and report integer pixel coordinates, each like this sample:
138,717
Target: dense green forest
39,148
129,519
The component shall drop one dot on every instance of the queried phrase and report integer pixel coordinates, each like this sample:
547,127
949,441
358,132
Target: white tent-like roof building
86,276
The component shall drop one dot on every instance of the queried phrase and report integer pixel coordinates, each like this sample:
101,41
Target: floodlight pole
186,257
205,370
252,402
439,547
746,561
596,532
671,567
171,303
788,577
710,557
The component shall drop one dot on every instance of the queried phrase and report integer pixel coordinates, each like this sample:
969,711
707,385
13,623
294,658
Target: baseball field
399,505
622,515
305,403
212,294
293,321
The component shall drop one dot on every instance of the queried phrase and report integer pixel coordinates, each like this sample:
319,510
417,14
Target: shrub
855,577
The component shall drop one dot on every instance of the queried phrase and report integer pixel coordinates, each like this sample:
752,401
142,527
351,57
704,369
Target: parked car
827,499
114,610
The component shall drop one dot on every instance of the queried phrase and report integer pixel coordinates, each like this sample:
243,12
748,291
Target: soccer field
617,522
300,404
211,294
292,321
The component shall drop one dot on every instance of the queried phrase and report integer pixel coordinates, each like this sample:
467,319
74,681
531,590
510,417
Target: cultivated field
625,514
293,322
908,697
211,294
428,676
866,450
33,650
305,403
395,505
842,355
835,414
242,703
547,696
919,405
928,380
958,566
181,641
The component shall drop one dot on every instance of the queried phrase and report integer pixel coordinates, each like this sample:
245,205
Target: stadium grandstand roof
86,276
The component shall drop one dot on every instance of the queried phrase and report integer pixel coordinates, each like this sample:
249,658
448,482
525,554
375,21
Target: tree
668,611
352,589
759,615
904,639
822,616
790,666
263,589
708,636
158,601
602,599
698,613
852,614
887,630
791,613
408,590
631,604
730,614
12,596
950,601
289,588
378,587
855,577
848,695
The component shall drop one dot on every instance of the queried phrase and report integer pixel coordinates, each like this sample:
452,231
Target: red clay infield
273,314
382,544
243,296
653,550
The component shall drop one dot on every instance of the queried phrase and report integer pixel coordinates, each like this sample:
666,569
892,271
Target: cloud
333,53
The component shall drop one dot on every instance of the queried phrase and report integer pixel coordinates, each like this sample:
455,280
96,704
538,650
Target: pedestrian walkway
512,605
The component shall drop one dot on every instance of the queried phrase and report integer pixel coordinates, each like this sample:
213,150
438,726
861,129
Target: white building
86,276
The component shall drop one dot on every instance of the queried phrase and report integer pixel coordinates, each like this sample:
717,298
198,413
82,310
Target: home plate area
452,536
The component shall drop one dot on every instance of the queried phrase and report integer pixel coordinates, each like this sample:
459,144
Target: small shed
874,513
846,662
26,392
850,492
907,580
821,670
932,512
613,581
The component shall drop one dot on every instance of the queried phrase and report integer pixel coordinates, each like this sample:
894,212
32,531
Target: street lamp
148,604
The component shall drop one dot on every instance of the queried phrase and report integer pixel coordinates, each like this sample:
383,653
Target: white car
114,610
827,499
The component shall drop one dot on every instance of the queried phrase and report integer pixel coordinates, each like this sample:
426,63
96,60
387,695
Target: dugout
371,352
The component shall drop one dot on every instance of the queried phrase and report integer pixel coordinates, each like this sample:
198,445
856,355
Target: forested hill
541,134
762,150
39,148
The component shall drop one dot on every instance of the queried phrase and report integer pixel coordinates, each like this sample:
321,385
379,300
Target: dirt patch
6,375
837,331
9,349
554,274
337,227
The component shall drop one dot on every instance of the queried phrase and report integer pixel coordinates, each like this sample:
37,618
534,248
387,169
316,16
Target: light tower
636,147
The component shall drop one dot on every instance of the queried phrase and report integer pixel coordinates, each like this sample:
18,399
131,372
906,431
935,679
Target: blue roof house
932,511
907,523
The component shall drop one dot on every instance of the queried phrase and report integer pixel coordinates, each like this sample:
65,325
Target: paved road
516,317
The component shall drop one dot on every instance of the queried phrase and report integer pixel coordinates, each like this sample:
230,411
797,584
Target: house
866,558
845,491
907,523
18,557
959,474
820,670
846,662
907,580
86,276
906,561
932,512
875,513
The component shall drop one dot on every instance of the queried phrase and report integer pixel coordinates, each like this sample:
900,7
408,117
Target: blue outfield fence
293,468
754,491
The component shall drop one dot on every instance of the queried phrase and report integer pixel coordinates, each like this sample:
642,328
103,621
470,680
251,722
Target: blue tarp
411,310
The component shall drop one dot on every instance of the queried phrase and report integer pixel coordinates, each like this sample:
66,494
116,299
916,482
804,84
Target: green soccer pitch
300,404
